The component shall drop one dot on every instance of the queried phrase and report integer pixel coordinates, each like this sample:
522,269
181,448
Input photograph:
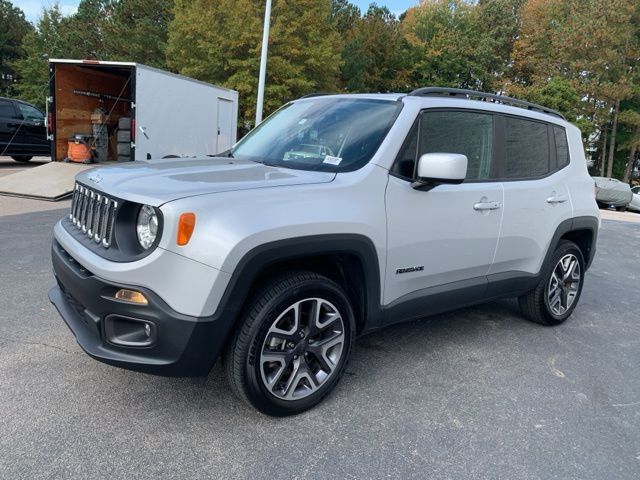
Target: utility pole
263,62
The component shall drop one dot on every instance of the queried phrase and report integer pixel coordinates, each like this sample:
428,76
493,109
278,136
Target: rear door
225,124
34,131
443,238
10,131
536,197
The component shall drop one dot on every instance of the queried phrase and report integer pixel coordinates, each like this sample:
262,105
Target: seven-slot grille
94,214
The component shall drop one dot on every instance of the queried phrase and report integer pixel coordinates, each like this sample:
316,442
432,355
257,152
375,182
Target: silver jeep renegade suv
337,216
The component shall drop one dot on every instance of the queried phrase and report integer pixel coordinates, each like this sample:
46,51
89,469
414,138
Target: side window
29,112
467,133
562,148
526,148
6,109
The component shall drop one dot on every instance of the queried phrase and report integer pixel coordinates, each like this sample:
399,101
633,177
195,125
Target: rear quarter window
562,147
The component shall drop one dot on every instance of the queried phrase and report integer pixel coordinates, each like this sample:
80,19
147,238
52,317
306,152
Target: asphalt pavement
477,393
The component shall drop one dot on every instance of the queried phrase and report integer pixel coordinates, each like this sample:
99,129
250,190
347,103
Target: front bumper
179,345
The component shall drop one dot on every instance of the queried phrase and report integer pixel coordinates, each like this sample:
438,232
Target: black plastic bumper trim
184,346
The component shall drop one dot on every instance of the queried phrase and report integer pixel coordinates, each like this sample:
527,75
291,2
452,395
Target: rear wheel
293,344
558,292
22,158
622,209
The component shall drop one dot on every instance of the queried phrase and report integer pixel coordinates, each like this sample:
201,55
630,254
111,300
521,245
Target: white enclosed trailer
165,114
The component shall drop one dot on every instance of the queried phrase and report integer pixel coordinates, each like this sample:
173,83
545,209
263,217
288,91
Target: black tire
22,158
621,209
242,356
124,123
535,303
123,136
124,149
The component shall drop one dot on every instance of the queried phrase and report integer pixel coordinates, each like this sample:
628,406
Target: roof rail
317,94
459,92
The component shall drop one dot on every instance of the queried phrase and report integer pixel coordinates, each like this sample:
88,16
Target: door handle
487,206
557,199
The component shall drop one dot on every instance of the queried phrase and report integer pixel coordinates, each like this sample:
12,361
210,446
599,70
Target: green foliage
47,41
220,42
13,28
460,43
136,30
344,16
374,54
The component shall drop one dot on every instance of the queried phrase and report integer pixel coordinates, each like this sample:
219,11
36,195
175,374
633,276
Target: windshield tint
329,134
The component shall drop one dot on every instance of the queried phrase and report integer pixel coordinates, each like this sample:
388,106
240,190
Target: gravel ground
477,393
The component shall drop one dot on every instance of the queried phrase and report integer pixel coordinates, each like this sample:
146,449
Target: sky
32,8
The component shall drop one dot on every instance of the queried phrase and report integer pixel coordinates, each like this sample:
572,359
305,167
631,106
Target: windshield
328,134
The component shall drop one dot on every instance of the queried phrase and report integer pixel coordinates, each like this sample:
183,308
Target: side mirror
438,168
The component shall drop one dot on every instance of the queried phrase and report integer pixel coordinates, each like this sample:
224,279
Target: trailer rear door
225,125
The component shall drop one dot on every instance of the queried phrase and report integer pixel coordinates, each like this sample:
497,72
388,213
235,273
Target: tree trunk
612,146
629,169
603,154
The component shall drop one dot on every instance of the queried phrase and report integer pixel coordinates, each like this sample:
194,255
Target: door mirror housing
438,168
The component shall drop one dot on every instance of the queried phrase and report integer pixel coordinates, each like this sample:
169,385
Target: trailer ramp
52,181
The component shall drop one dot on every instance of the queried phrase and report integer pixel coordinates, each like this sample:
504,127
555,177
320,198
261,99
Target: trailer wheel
22,158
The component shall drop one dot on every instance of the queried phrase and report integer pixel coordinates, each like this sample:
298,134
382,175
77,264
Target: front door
445,238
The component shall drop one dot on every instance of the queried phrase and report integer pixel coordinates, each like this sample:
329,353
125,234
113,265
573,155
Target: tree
459,43
631,120
48,40
13,28
497,23
441,37
219,42
373,55
137,30
344,16
592,44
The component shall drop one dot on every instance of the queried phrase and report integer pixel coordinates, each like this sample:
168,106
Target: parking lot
477,393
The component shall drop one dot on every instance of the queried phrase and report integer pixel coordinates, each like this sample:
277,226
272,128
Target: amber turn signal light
131,296
186,224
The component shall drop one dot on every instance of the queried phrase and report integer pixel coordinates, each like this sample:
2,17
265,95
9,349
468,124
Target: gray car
611,192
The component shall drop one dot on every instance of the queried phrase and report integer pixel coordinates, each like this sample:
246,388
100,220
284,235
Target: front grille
94,214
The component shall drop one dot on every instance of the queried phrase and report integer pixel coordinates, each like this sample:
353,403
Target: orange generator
79,150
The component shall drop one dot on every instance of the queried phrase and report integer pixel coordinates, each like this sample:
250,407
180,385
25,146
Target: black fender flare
575,224
254,262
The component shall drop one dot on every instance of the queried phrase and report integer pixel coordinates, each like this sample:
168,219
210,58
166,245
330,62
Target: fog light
131,296
147,330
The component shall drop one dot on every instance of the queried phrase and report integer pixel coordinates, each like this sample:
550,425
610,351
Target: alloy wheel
564,284
302,349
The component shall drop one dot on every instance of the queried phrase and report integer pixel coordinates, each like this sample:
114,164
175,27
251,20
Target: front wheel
22,158
292,345
558,292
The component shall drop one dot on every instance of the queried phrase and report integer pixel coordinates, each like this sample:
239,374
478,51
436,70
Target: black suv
22,130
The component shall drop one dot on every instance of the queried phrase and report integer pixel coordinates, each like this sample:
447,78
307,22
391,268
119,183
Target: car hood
155,182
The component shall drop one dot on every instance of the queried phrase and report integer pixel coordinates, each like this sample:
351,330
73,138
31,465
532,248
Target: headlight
147,226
